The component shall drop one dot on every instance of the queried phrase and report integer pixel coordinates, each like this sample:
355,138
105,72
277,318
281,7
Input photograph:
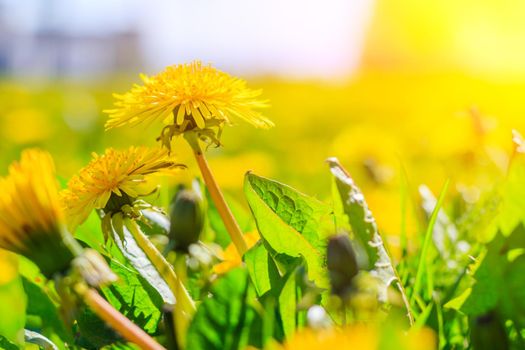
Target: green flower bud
342,264
187,217
488,332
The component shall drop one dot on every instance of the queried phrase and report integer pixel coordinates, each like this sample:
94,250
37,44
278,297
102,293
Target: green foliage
40,305
13,303
291,224
135,298
364,227
131,249
262,269
224,320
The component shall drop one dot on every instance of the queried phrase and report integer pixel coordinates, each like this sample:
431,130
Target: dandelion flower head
188,97
118,176
31,218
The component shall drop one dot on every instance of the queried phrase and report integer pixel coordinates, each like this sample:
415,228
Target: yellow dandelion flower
361,337
31,219
188,97
113,179
231,258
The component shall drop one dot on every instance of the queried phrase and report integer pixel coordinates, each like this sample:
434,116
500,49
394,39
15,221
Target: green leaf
12,310
498,279
132,251
364,227
94,332
39,304
513,197
6,344
288,305
291,223
133,296
423,256
223,321
262,268
222,237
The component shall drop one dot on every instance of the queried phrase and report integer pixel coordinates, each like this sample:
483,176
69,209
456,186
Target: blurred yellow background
435,93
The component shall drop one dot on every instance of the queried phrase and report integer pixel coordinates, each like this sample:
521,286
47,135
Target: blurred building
318,39
44,39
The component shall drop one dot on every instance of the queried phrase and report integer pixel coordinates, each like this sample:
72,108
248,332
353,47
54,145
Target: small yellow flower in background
31,219
118,176
360,337
188,97
231,258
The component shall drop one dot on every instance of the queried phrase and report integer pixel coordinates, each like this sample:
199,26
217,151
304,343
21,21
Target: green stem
182,273
225,213
163,267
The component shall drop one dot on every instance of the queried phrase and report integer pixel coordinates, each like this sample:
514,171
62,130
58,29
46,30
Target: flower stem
181,271
165,270
116,320
218,198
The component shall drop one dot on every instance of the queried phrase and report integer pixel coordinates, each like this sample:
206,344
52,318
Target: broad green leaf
262,269
223,321
136,256
363,226
94,333
291,223
39,339
288,305
513,197
244,219
89,232
12,309
39,304
134,297
498,279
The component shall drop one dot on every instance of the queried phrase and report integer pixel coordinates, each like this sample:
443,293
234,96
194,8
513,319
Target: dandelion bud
342,264
488,332
187,217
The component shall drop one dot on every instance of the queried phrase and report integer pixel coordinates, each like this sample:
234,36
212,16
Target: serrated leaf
134,297
223,321
94,333
363,226
291,223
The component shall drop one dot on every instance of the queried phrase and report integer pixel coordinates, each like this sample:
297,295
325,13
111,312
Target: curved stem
162,266
181,271
127,329
218,198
